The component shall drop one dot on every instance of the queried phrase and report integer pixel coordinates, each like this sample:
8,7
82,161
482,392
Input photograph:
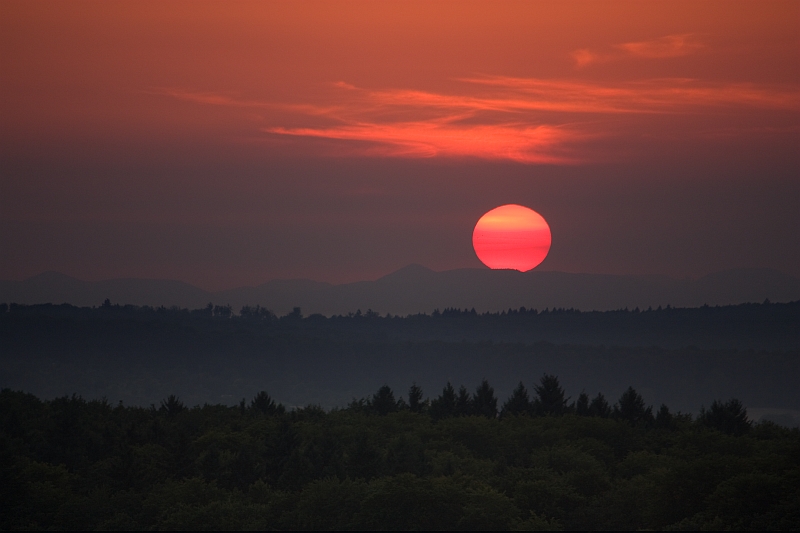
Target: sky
230,143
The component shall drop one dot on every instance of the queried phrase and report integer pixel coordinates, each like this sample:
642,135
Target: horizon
416,289
406,267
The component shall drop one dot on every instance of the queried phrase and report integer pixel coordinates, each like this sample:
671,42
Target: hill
416,289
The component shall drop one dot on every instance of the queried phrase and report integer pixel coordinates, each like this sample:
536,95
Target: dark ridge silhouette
141,354
416,289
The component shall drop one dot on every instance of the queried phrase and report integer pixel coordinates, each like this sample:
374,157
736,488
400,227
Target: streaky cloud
527,120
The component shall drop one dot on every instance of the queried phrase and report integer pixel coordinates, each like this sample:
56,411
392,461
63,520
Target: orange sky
106,107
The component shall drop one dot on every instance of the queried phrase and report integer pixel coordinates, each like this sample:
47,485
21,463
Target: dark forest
459,461
123,417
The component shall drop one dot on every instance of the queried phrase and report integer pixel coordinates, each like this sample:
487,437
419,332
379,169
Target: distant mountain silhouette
415,289
53,287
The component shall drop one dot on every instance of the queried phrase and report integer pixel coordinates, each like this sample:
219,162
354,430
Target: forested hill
382,464
682,357
758,326
416,289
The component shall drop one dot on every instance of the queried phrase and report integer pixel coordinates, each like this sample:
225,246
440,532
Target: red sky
231,143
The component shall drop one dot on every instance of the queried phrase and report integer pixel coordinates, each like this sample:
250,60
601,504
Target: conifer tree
383,401
415,403
518,403
551,396
582,405
600,407
263,403
630,408
445,405
484,402
172,406
464,405
729,417
664,417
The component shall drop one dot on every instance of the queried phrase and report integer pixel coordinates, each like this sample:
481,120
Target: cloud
521,143
584,57
667,46
664,95
527,120
678,45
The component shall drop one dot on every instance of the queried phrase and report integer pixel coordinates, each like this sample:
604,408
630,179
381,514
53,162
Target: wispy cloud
527,120
522,143
665,95
668,46
584,57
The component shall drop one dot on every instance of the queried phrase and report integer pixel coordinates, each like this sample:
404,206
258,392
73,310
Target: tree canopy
381,463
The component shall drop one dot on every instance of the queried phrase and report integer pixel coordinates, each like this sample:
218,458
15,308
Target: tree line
458,460
754,325
549,400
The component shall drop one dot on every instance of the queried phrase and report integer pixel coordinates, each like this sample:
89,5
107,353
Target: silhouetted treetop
464,403
172,406
600,406
263,403
484,401
551,396
582,405
383,401
631,408
518,403
444,406
415,402
729,417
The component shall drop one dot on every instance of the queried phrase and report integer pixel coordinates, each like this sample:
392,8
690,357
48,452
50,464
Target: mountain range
417,289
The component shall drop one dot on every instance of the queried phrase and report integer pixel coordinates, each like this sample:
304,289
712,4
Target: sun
511,237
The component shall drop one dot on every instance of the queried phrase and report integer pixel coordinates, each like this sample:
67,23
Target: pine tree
172,406
415,403
582,405
445,405
664,418
551,396
518,404
484,401
464,405
729,417
599,407
263,403
383,401
630,408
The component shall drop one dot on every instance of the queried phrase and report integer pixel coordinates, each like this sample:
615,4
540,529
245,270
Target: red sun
511,237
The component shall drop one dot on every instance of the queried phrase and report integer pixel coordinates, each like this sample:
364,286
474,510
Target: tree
223,311
263,403
172,406
630,408
518,404
729,417
664,418
445,405
599,407
484,401
582,405
415,403
295,316
551,396
464,405
383,401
